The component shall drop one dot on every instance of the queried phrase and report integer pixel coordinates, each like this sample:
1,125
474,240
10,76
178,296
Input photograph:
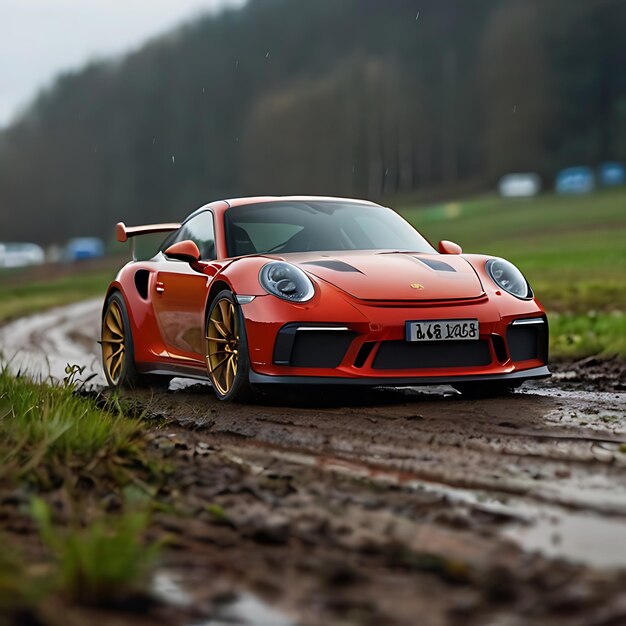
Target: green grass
19,299
54,441
103,562
48,434
572,249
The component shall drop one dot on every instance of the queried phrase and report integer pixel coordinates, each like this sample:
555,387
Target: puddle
246,609
241,609
581,538
180,384
167,587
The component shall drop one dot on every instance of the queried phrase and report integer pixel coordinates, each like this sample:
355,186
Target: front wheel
227,359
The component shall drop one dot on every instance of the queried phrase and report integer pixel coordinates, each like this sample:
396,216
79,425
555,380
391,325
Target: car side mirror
186,251
449,247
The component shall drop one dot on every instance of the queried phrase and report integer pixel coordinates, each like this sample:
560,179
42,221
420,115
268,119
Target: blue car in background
82,248
575,180
612,174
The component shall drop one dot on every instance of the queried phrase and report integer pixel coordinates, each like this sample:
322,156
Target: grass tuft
47,432
103,563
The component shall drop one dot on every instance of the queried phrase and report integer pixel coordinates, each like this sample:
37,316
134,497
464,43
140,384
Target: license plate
442,330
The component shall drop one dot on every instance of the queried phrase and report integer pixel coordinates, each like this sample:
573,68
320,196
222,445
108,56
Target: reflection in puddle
180,384
577,537
242,609
246,610
167,587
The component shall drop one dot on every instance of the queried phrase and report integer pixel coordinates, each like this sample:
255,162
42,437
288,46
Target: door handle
159,287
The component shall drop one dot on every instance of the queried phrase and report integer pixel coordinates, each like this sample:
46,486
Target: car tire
116,334
227,356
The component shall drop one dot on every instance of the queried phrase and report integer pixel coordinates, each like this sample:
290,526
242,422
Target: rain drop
173,159
267,56
417,16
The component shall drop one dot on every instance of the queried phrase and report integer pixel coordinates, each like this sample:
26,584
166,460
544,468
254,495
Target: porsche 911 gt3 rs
305,290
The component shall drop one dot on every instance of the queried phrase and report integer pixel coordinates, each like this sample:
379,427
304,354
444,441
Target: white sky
40,38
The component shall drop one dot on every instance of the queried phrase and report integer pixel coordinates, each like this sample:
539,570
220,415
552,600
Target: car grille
400,355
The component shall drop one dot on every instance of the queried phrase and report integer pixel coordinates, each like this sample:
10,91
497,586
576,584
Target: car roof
232,202
221,206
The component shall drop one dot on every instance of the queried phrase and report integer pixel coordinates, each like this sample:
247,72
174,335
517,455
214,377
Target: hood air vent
439,266
338,266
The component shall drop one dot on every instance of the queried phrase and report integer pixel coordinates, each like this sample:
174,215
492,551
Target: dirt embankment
390,507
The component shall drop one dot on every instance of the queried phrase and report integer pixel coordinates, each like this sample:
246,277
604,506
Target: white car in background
21,254
520,185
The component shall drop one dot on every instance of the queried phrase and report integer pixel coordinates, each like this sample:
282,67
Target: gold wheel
222,345
113,342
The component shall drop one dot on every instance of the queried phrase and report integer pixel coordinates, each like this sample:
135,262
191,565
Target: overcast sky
40,38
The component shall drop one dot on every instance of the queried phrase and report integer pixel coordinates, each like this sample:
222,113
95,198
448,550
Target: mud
378,507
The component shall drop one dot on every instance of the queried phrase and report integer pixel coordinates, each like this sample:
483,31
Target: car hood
381,275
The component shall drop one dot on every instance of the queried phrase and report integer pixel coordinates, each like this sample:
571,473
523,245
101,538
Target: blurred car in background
82,248
20,254
519,185
575,180
612,174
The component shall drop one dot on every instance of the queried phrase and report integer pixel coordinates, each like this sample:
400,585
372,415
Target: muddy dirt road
390,507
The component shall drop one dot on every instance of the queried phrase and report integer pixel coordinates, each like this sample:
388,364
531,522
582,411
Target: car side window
199,230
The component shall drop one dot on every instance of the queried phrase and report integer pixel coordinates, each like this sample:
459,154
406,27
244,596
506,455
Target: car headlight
286,281
509,278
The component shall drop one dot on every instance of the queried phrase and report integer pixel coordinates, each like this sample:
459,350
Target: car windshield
314,226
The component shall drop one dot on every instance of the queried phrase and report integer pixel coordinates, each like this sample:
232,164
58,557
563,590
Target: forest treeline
363,98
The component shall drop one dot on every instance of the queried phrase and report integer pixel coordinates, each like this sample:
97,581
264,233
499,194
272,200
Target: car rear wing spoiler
123,232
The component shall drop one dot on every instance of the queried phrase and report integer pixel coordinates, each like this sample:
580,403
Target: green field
32,296
572,249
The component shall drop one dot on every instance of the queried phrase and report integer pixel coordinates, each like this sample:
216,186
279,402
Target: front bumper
338,340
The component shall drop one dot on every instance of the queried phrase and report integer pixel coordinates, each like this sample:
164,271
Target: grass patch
48,433
54,441
102,563
20,299
576,336
571,249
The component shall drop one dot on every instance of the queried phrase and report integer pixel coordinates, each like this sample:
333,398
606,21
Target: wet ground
387,507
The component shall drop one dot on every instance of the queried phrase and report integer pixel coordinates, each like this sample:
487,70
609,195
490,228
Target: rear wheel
118,356
227,359
486,389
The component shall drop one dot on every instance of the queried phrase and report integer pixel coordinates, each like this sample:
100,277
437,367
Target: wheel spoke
218,339
115,353
225,311
214,368
115,368
220,328
114,340
208,356
113,326
229,372
115,311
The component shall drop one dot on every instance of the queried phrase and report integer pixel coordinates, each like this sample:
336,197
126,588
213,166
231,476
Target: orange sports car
303,290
